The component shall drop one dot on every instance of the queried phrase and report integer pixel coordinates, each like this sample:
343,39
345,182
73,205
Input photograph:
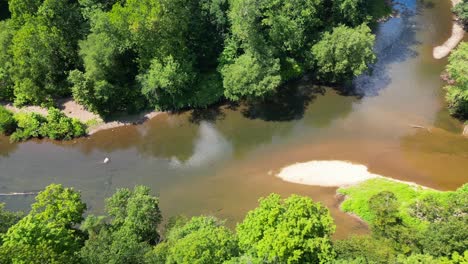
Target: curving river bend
221,160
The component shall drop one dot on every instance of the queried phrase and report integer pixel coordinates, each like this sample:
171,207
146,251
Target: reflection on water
210,146
221,160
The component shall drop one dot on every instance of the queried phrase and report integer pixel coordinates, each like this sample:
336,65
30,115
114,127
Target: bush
370,249
461,9
59,126
7,122
29,126
55,126
457,93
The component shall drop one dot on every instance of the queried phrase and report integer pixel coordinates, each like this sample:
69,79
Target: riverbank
94,122
458,33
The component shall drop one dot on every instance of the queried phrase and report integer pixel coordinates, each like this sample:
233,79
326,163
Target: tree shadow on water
289,103
210,114
395,43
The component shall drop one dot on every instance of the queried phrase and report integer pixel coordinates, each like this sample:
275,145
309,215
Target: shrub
59,126
457,94
461,9
7,122
55,126
29,126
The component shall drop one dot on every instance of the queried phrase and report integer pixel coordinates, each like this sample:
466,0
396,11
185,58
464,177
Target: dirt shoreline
458,33
94,122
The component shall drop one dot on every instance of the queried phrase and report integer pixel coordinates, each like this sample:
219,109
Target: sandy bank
330,173
95,123
125,120
465,131
443,50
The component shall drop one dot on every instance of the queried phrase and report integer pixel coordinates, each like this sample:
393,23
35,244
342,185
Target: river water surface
221,160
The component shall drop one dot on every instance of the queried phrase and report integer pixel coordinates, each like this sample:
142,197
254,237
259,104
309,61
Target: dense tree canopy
47,234
115,56
127,233
345,53
200,240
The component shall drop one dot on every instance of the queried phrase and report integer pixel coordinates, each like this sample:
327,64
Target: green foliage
250,77
357,201
132,227
29,126
200,240
123,56
411,219
7,219
368,248
444,238
295,230
43,48
60,127
6,83
46,234
457,93
7,121
55,126
344,53
167,83
461,9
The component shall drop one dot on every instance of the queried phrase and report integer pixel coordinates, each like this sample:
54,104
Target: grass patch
358,196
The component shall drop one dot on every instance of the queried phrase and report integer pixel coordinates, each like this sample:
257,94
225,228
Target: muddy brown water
219,161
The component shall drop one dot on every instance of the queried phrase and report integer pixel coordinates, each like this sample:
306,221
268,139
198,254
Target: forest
291,230
127,55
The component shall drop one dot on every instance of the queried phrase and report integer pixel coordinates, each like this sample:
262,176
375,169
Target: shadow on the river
395,42
289,103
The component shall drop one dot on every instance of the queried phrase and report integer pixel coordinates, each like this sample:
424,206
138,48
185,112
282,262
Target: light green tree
295,230
344,53
47,233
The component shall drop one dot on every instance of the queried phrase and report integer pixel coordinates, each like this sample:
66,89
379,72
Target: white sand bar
443,50
330,173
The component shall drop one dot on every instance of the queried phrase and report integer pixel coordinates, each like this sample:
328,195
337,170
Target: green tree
344,53
7,219
47,234
6,83
129,231
446,237
200,240
370,249
250,77
39,63
388,224
295,230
